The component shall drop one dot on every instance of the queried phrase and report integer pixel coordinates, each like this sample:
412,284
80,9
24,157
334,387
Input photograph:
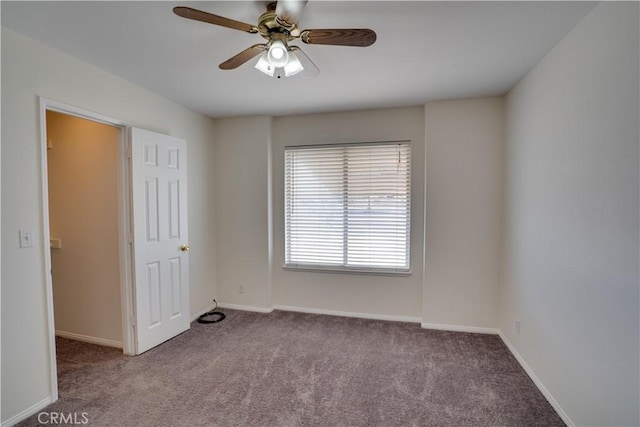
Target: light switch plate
26,238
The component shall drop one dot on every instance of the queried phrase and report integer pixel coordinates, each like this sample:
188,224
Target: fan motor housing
269,24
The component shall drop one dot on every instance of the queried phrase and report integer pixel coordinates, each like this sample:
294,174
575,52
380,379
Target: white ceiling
425,50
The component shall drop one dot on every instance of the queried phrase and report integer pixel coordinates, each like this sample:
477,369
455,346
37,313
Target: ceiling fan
279,26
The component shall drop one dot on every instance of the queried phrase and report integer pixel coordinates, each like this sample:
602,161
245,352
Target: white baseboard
245,307
33,409
91,340
391,318
460,328
545,392
320,311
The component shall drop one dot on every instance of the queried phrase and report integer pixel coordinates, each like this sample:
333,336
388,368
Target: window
347,207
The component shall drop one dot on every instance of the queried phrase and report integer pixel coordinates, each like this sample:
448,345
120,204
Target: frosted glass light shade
294,66
264,65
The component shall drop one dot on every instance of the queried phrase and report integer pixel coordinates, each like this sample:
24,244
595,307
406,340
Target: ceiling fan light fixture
264,65
278,55
293,66
279,26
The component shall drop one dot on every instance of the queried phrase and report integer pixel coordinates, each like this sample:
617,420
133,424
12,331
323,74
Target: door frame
124,227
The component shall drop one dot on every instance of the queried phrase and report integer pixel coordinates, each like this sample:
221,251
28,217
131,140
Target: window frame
366,270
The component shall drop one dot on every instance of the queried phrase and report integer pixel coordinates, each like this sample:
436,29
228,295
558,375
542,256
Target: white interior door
160,251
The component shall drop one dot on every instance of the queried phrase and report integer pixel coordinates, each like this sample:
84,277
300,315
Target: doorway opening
82,165
86,221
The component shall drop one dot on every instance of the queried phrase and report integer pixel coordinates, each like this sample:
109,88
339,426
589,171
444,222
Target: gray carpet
293,369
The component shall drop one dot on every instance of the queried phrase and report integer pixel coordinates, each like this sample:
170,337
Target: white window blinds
348,206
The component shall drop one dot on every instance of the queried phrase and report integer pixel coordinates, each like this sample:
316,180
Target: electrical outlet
518,326
26,238
241,289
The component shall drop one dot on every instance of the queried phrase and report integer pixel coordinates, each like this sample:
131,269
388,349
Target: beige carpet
293,369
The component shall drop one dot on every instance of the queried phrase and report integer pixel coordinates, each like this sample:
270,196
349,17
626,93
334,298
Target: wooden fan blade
242,57
210,18
289,11
341,37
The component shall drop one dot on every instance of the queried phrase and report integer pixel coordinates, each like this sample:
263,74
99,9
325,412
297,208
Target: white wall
571,235
242,217
356,293
463,181
464,212
82,166
30,69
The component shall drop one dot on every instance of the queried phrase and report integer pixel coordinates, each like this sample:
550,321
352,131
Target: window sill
368,272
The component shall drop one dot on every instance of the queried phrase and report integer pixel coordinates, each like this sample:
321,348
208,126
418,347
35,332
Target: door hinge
130,238
128,150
